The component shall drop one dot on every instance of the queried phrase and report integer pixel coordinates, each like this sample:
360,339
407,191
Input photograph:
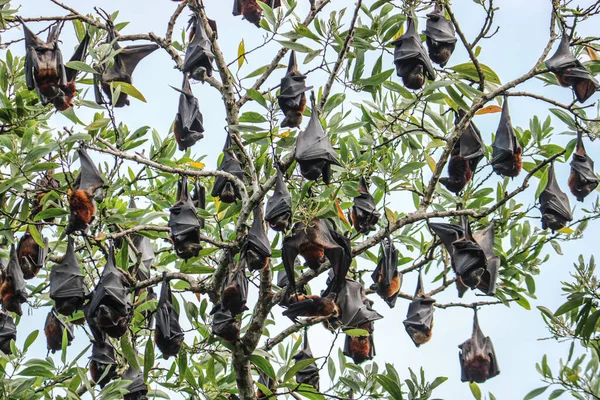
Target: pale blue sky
515,332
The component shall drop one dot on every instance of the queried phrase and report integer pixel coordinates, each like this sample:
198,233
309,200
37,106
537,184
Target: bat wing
562,58
237,7
439,28
144,246
128,59
137,384
281,201
66,278
420,313
229,164
471,146
257,236
222,320
8,329
355,311
199,51
89,311
365,200
89,178
103,353
314,144
274,3
387,267
309,374
505,143
448,233
467,255
110,289
408,48
290,252
583,164
554,200
79,55
340,257
183,218
167,319
14,272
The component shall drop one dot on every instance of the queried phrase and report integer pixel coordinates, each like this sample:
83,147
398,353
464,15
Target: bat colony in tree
108,308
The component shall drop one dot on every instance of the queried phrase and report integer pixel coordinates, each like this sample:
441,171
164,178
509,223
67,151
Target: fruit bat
439,36
251,10
386,276
364,215
63,101
355,308
506,155
184,223
124,64
266,381
188,121
477,357
199,199
314,152
302,305
485,238
224,189
67,287
465,156
44,67
292,96
88,186
8,331
137,388
412,63
316,241
582,180
419,319
45,184
569,71
359,348
110,306
310,374
198,54
278,213
224,324
554,204
257,249
31,255
168,334
54,329
103,365
13,291
234,289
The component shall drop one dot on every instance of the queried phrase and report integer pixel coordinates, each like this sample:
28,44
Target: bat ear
293,63
420,291
31,39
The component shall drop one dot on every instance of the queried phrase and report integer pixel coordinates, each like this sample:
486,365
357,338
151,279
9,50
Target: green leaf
568,306
376,80
556,393
98,124
35,234
50,213
128,89
390,386
241,54
300,365
469,70
263,364
129,352
357,332
475,390
81,66
30,339
148,358
300,48
535,392
590,325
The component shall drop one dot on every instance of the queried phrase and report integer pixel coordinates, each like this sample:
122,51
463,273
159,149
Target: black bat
364,215
387,280
198,54
188,121
356,308
63,101
570,72
224,324
292,96
199,199
477,357
31,255
13,290
138,389
224,189
316,241
54,330
44,66
266,381
314,152
308,375
411,60
485,238
465,156
110,306
554,204
251,10
582,180
67,287
234,289
506,155
184,223
8,331
419,319
103,365
168,334
44,185
256,249
278,213
439,36
88,186
124,63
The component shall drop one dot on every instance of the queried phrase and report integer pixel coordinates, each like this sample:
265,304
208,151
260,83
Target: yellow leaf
566,230
241,54
101,236
431,162
390,215
340,212
196,164
591,53
284,134
400,33
489,110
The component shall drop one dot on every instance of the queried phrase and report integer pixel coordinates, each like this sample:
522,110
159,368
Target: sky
511,52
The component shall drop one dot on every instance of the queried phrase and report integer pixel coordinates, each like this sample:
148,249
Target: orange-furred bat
312,306
359,348
411,60
256,249
64,100
506,155
387,280
582,180
251,10
439,36
53,329
44,67
292,96
103,365
465,156
477,357
88,186
13,291
31,255
419,319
